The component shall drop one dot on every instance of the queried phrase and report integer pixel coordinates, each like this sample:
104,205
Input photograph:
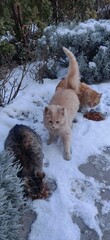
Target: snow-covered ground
78,195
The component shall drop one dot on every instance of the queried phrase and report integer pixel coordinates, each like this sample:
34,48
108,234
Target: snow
7,37
83,27
91,24
76,193
106,207
92,65
104,48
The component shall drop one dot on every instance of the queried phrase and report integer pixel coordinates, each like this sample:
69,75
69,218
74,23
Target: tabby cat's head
54,117
33,185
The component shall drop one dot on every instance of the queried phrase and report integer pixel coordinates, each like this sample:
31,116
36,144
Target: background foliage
89,41
22,22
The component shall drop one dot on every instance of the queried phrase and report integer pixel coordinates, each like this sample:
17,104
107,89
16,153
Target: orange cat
87,96
62,109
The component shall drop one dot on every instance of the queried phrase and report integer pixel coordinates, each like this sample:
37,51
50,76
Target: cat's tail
72,80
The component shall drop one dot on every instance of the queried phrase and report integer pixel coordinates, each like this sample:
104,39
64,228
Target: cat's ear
46,110
62,111
40,175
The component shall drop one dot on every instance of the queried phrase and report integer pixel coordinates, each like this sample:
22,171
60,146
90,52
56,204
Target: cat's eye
57,121
50,121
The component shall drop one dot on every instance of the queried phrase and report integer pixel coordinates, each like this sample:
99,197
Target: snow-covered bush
12,203
89,41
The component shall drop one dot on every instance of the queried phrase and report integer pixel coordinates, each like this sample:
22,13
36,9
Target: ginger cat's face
87,96
54,118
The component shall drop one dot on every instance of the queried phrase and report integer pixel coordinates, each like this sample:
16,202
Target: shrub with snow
89,41
12,203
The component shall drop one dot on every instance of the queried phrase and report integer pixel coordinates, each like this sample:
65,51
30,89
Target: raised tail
72,80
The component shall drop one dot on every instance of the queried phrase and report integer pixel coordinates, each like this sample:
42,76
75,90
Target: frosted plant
12,203
88,40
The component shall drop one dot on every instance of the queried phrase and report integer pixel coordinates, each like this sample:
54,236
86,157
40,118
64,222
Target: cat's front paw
67,156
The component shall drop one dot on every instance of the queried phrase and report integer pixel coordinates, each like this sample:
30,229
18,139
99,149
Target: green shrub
89,41
7,51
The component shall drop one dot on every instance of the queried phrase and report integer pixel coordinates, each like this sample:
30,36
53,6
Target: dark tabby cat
26,145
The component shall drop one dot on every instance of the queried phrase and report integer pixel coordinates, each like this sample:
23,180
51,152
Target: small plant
11,83
7,52
12,202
